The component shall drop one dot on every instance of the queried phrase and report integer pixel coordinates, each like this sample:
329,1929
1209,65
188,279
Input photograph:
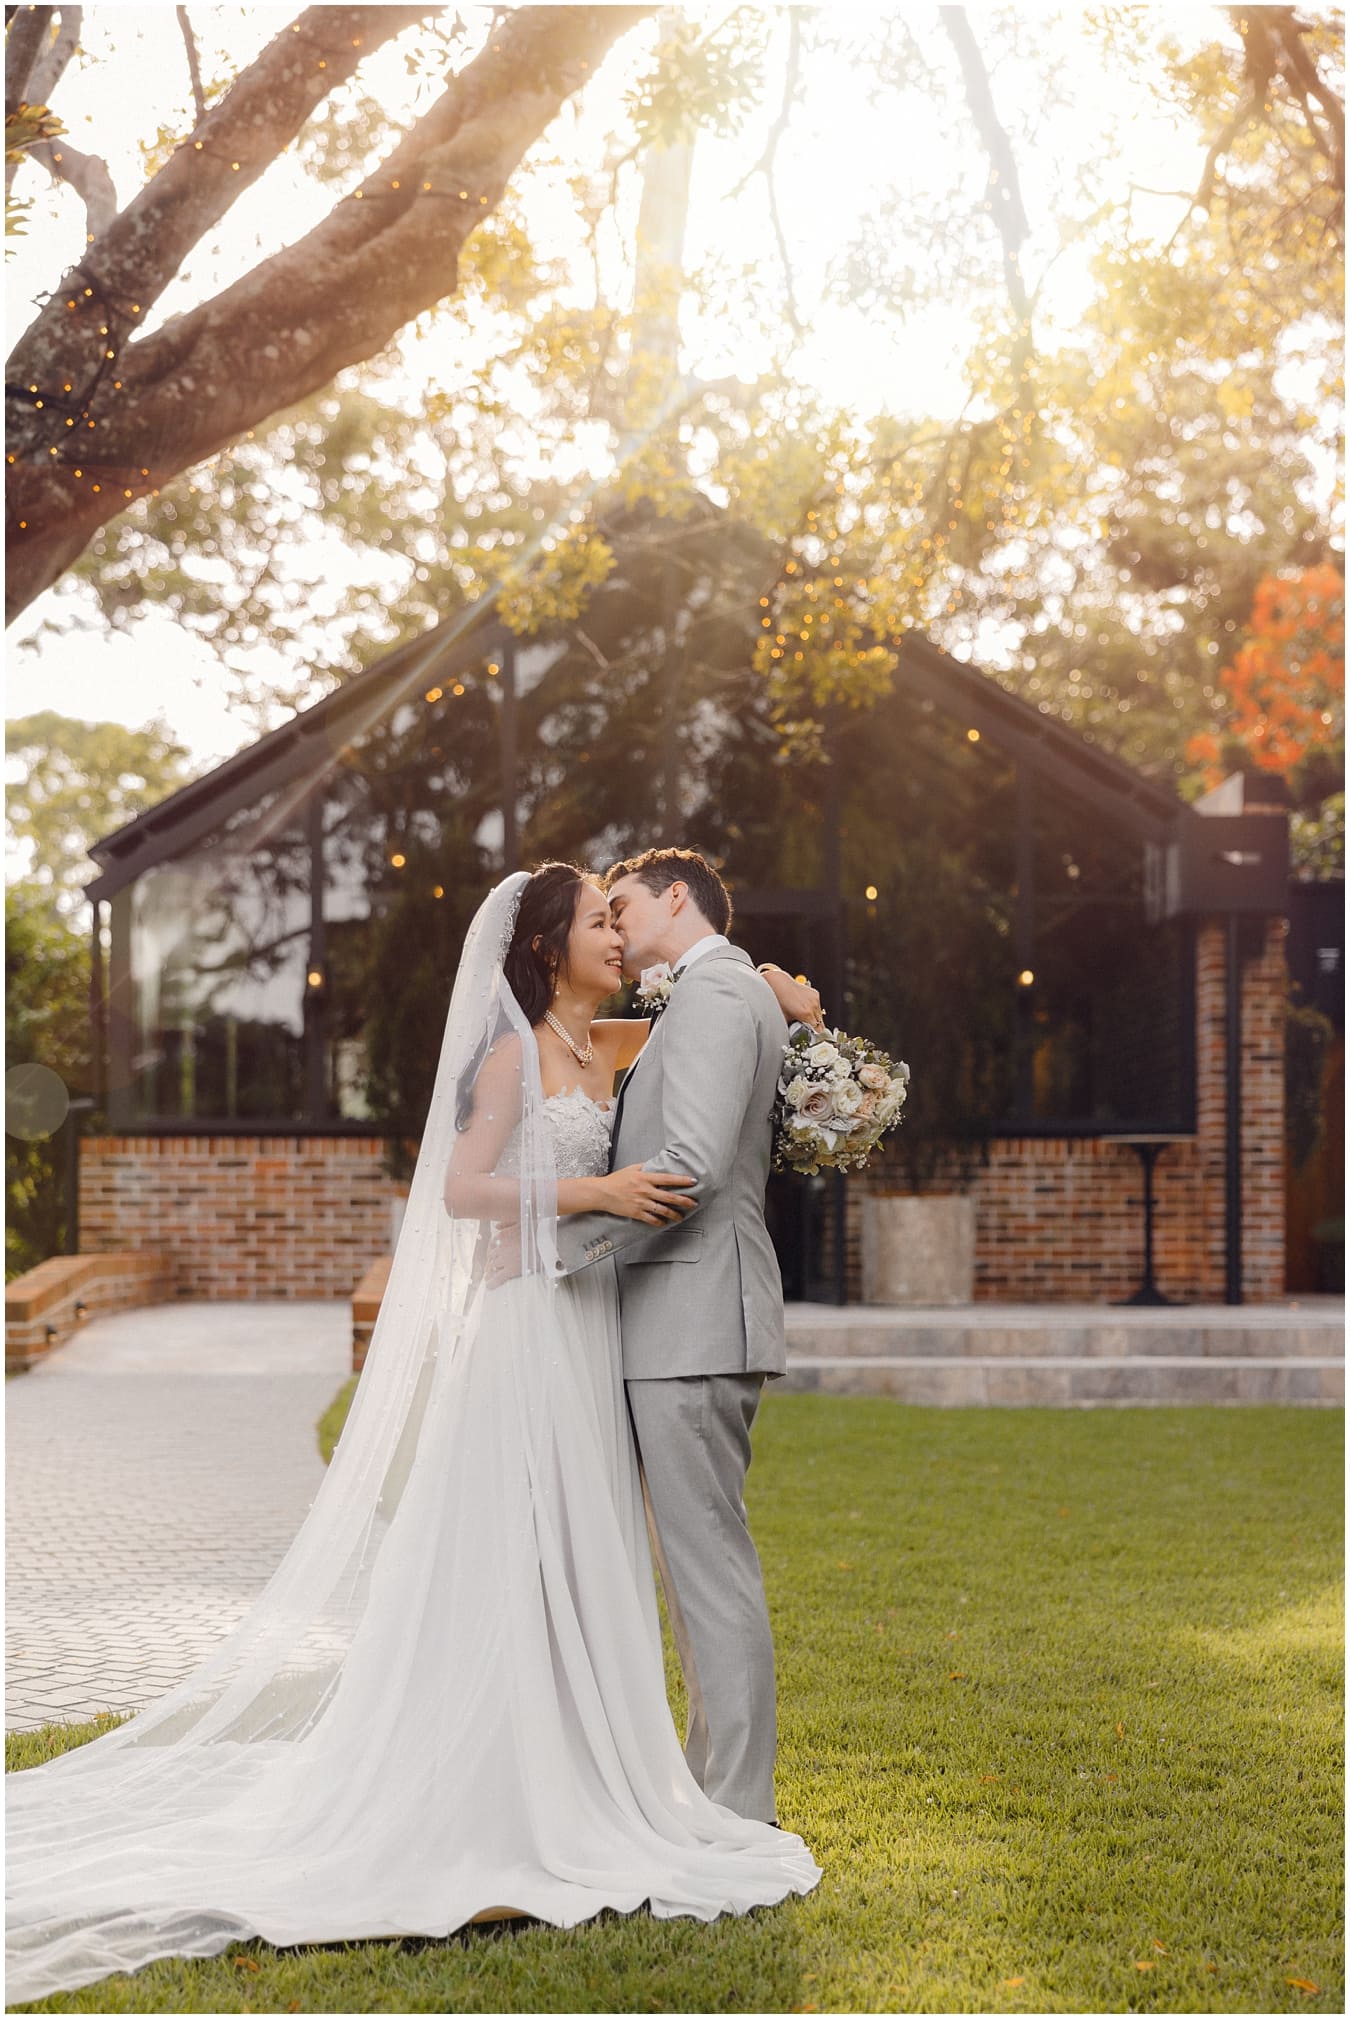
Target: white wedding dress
451,1696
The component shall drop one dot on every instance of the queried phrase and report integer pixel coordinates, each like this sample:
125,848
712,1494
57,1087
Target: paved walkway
156,1468
159,1464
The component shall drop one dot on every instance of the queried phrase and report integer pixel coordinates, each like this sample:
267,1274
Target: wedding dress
450,1696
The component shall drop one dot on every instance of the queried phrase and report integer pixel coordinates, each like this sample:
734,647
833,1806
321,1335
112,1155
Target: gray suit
697,1344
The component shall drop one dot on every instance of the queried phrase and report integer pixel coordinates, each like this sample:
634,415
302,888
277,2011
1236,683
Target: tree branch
765,165
138,253
334,298
24,38
194,68
88,175
1005,194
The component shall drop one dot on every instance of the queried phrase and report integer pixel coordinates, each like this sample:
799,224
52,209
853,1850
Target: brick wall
1056,1220
1063,1220
240,1216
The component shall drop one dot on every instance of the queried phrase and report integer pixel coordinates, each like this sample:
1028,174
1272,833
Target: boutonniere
654,989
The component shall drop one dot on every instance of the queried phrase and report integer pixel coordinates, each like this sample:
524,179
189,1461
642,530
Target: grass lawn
1061,1716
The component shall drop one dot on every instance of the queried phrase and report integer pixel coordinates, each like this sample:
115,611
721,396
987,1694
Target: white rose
823,1053
874,1078
847,1099
796,1091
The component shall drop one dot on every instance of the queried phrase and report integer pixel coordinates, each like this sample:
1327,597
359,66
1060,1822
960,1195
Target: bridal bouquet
837,1096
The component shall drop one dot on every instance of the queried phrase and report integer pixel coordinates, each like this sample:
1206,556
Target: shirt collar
699,948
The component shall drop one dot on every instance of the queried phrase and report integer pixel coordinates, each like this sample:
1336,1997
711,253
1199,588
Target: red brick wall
240,1216
1063,1220
1056,1220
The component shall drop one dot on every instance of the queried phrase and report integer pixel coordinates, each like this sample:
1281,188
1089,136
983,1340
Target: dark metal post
670,711
506,729
316,992
1232,1043
74,1112
123,1013
1024,938
98,1015
832,977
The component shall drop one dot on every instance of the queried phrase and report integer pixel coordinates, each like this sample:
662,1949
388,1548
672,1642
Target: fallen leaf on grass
1063,1513
957,1675
991,1777
1159,1946
1120,1731
1303,1983
1144,1966
1011,1983
246,1963
1212,1968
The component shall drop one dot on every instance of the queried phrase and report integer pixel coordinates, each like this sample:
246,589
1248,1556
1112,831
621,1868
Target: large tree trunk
97,417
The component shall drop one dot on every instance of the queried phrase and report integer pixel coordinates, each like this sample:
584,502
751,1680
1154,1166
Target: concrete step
1072,1356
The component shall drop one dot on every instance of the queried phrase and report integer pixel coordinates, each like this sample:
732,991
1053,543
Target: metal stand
1148,1150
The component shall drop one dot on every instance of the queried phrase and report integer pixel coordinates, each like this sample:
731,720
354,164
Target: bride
450,1696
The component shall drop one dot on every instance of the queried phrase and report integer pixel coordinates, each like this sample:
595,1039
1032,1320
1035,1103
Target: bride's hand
653,1196
799,1002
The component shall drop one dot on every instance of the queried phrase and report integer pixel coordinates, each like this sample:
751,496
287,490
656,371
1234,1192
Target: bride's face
594,949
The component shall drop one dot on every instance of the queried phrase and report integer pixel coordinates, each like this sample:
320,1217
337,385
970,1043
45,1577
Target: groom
701,1301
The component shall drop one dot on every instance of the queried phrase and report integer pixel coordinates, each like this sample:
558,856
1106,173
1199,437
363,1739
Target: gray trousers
693,1439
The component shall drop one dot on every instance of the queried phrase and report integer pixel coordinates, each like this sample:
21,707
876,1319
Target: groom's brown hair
660,867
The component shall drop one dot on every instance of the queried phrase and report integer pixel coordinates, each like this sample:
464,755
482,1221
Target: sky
838,154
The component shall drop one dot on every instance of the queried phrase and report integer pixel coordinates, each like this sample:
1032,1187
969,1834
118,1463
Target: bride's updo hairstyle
538,949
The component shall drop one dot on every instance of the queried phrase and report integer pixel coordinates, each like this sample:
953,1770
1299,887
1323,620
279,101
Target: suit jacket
703,1296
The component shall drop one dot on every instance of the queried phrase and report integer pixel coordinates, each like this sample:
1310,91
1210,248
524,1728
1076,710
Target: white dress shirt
699,948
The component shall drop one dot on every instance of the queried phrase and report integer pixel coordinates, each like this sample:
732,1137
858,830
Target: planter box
917,1249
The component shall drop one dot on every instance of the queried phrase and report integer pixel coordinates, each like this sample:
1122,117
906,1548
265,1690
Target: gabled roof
304,749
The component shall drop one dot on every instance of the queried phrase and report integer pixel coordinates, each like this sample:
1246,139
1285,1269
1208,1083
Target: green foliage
1308,1040
698,81
1103,1647
24,127
46,1023
83,780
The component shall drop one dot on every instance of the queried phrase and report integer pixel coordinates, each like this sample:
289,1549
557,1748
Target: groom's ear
679,892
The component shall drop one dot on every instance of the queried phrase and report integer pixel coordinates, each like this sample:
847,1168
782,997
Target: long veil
223,1750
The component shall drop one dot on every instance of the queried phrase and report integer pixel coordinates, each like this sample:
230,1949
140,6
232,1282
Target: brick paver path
156,1468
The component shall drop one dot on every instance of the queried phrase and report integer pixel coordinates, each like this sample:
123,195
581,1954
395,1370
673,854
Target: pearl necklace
582,1056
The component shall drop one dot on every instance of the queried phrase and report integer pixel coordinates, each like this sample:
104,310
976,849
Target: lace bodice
580,1129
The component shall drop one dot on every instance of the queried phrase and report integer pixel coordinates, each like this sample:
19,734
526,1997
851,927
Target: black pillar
1024,945
98,1020
316,992
506,730
1232,1082
671,684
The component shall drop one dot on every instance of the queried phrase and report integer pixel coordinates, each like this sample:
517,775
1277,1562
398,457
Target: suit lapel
716,953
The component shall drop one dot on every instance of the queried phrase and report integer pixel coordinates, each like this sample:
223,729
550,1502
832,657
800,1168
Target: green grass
1060,1694
329,1426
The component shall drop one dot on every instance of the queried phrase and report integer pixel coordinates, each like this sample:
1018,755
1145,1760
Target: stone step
1298,1329
1062,1381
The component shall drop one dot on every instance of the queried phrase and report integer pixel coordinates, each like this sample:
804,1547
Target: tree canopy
1095,525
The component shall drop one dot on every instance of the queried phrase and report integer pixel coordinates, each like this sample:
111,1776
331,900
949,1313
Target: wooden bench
366,1308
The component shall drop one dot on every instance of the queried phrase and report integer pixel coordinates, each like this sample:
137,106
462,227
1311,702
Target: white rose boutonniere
655,988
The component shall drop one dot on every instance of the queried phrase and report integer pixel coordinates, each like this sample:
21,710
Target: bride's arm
799,1002
471,1191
